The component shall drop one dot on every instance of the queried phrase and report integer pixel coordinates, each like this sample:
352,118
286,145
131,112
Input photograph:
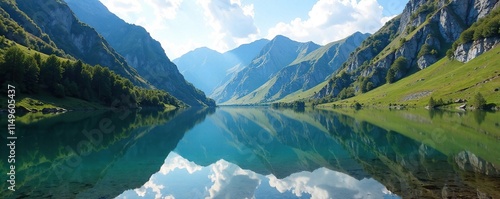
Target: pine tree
12,68
479,101
432,103
31,76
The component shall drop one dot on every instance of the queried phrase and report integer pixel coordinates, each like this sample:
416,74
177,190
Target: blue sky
183,25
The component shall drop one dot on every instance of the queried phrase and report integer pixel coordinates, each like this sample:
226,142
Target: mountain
408,43
57,22
60,62
32,36
138,148
447,80
306,72
140,50
207,68
203,67
278,53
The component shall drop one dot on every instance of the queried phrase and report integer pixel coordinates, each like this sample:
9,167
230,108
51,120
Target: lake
248,152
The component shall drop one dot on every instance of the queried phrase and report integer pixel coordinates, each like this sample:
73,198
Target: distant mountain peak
202,50
280,37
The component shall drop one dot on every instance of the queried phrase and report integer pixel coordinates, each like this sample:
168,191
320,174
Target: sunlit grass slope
446,79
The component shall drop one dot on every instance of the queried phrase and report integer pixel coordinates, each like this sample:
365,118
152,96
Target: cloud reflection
324,183
230,181
179,178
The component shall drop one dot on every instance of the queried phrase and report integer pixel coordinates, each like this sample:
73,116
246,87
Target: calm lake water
256,153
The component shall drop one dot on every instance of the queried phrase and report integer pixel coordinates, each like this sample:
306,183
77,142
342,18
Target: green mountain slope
32,36
100,79
140,50
418,37
41,82
447,79
466,72
74,37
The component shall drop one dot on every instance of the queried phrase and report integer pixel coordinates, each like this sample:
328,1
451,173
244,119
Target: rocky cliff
482,36
469,51
421,35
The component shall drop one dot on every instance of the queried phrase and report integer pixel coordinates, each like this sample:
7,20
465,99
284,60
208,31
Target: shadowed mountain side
70,164
140,50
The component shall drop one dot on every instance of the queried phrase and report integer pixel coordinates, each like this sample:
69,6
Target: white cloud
150,185
231,22
132,9
324,183
167,9
230,181
331,20
127,10
175,161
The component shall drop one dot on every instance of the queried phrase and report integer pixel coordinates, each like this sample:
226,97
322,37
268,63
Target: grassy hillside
446,79
302,95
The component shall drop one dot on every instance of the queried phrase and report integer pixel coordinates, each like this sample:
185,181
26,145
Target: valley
250,99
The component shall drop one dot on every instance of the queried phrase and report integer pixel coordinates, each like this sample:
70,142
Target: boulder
460,101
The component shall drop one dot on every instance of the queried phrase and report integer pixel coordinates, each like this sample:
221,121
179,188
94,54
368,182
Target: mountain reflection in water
262,153
180,178
239,152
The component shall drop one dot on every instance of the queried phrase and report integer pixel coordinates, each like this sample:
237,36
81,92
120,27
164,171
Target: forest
31,74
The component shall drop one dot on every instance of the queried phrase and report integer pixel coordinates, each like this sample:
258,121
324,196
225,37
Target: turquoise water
257,153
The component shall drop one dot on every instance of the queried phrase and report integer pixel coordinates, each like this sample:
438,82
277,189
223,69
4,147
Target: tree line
64,78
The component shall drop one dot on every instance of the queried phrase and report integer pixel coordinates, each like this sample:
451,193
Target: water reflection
259,152
180,178
71,156
422,157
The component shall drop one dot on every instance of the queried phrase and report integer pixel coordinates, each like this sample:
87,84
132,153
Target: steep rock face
140,50
469,51
310,70
278,53
76,38
418,34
